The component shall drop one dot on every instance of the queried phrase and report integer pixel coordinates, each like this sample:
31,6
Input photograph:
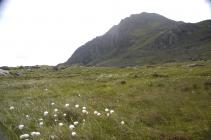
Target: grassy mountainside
169,101
146,38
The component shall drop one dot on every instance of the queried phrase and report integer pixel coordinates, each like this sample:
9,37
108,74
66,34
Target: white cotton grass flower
61,124
12,108
27,116
84,108
95,112
84,121
40,119
84,111
122,122
64,114
67,105
35,134
77,106
41,123
24,136
111,111
71,126
108,114
45,113
98,114
75,123
106,110
52,137
55,110
55,115
73,133
56,120
21,126
52,104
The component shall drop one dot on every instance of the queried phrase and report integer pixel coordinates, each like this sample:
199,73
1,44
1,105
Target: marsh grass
169,101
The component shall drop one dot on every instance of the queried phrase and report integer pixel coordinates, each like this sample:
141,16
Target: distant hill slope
146,38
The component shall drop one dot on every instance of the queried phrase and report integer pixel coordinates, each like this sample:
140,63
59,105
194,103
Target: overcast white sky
48,31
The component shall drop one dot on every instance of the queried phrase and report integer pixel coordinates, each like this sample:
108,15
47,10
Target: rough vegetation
169,101
146,38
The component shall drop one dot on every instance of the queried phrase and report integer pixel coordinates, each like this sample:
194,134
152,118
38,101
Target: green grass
169,101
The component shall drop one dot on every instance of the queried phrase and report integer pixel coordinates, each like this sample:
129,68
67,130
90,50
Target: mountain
146,38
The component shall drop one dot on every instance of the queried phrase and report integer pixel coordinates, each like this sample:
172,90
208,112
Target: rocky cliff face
146,38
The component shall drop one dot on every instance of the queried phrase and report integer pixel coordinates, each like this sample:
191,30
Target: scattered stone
4,72
18,74
194,65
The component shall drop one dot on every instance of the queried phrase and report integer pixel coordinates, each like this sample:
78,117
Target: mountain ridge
146,38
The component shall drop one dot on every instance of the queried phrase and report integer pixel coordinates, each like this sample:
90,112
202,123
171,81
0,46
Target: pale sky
36,32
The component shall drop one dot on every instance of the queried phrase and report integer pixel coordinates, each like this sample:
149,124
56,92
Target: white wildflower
41,123
64,115
71,126
24,136
108,114
55,115
40,119
84,108
55,110
77,106
98,114
111,111
45,113
21,126
61,124
33,134
52,137
122,122
84,111
52,104
95,112
73,133
106,110
75,123
37,133
12,107
67,105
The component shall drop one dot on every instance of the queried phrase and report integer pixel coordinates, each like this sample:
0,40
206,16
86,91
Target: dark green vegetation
168,101
147,38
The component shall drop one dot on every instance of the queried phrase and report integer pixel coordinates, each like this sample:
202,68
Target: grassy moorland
169,101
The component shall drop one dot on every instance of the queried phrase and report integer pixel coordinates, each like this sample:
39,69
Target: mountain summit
146,38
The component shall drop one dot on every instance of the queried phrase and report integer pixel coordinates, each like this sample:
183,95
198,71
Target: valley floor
169,101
